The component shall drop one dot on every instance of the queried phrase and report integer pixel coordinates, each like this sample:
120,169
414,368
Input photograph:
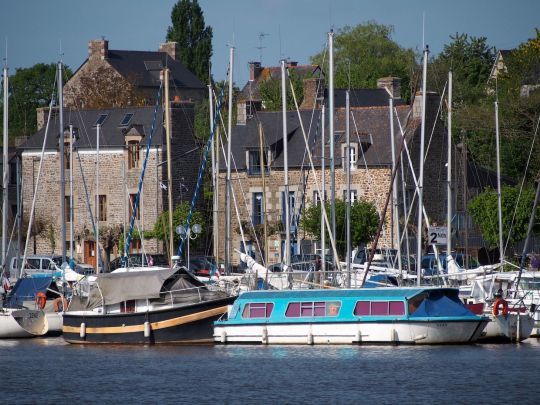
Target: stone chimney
392,84
42,114
241,113
254,70
432,104
313,93
98,49
171,48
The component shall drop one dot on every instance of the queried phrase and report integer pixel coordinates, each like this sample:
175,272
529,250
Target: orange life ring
500,302
41,300
60,304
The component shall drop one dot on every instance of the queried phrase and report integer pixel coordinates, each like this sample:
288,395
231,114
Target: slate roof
363,98
372,124
111,134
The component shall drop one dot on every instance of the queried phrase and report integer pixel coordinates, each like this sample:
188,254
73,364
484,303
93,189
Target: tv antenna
261,47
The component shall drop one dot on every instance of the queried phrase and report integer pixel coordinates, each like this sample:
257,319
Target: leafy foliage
193,37
367,53
483,209
256,232
270,91
364,222
30,88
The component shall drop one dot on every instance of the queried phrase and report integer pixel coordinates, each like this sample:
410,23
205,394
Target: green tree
471,60
367,52
270,91
180,214
194,38
30,88
483,209
364,222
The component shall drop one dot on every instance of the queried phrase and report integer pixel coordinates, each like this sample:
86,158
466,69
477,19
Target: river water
48,370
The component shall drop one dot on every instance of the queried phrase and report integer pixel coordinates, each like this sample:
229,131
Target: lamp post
187,234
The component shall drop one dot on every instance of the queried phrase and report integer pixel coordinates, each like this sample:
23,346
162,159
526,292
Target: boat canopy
437,303
26,289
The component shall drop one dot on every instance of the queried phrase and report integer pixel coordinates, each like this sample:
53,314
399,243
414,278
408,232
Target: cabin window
258,310
312,309
379,308
133,154
127,306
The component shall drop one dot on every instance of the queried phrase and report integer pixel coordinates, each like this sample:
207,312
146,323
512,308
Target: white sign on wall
437,235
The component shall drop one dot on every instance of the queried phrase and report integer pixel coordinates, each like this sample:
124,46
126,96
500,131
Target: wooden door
90,252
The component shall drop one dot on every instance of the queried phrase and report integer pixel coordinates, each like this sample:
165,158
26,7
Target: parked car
135,260
36,265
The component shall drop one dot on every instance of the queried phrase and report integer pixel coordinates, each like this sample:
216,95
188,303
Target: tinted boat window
379,308
362,308
258,310
397,308
313,309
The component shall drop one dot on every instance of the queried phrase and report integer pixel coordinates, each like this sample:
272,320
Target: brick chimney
171,48
313,93
254,70
98,49
392,84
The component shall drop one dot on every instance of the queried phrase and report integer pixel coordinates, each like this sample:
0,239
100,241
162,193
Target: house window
67,208
127,118
67,155
13,173
102,207
353,194
254,162
258,310
135,246
353,157
258,217
132,198
316,197
133,154
291,206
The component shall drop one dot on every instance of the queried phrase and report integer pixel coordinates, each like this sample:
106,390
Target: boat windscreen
437,303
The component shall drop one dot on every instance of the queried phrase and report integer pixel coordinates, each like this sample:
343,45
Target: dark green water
51,371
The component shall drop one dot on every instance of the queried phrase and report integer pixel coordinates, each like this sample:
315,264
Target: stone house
124,135
370,161
140,69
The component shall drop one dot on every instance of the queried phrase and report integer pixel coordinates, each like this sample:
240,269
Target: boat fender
264,336
310,338
41,300
147,329
223,336
393,337
82,332
500,302
60,304
358,337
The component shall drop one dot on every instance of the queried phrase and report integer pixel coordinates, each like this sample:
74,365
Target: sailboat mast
5,171
499,208
395,211
347,162
421,174
62,163
214,175
71,225
323,191
229,163
331,130
263,202
449,173
96,255
169,157
287,202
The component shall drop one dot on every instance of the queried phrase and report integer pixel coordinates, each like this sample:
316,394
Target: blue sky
35,31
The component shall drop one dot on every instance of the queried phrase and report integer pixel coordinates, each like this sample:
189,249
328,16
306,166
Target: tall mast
71,225
449,173
395,208
215,218
62,163
499,209
287,204
229,162
323,192
5,171
98,128
169,161
347,162
421,174
263,202
331,130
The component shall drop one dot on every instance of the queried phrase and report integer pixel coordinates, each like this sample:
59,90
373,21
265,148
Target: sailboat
16,321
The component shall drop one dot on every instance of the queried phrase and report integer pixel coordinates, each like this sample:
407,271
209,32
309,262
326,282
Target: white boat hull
353,333
22,323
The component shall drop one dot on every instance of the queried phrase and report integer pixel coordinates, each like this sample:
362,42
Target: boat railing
171,293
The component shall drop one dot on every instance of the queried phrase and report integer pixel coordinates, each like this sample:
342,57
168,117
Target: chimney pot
98,49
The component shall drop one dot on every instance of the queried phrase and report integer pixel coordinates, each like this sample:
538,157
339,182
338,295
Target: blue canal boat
422,315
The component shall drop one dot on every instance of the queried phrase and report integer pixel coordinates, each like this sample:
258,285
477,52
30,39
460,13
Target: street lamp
187,234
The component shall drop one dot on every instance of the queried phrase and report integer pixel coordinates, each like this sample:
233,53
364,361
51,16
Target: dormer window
255,163
353,155
126,120
101,119
133,154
